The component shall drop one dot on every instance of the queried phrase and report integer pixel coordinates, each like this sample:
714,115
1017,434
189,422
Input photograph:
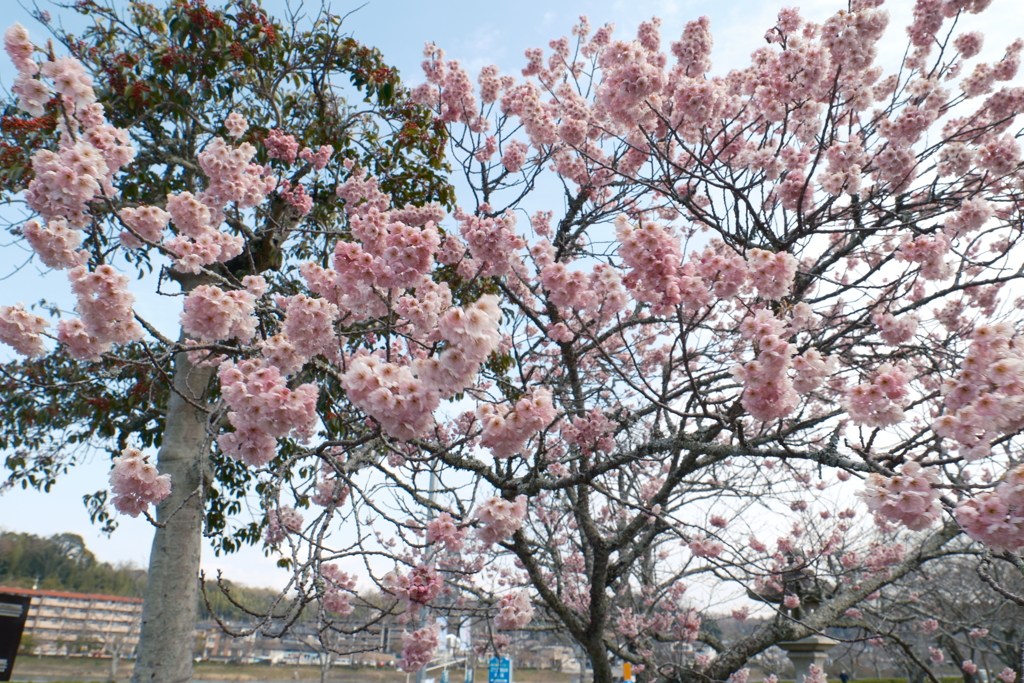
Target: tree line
62,562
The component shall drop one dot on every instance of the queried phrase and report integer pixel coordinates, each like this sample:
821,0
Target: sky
476,33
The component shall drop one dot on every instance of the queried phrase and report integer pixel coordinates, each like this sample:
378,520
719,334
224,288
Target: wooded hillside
63,562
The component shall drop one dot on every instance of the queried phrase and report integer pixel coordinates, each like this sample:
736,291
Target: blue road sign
501,670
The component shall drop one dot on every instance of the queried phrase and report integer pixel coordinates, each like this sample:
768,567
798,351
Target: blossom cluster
598,296
32,94
68,75
80,171
878,403
144,223
893,330
448,88
391,259
281,146
55,244
986,399
418,647
815,675
65,181
443,529
493,243
211,314
515,611
768,391
22,330
402,403
280,523
652,253
338,590
198,242
417,588
330,489
592,432
908,497
135,483
309,326
705,547
771,273
403,397
500,518
232,176
506,431
263,409
996,517
105,307
928,251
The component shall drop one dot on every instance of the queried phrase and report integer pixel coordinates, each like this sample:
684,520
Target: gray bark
172,589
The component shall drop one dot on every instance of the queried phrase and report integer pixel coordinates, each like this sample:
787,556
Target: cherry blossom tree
752,295
162,84
946,614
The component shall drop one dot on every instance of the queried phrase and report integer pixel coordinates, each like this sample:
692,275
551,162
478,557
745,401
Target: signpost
500,671
13,612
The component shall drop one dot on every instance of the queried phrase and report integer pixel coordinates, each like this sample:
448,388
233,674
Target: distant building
70,623
556,657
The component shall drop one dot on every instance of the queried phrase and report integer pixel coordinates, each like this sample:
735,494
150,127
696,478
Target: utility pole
431,492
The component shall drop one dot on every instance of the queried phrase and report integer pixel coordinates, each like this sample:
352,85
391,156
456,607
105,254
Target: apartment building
68,623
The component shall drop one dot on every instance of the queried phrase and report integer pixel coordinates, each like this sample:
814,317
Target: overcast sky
477,33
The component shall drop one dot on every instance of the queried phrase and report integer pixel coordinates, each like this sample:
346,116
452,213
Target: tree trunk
598,655
172,589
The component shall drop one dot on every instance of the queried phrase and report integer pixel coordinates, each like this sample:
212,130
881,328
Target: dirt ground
88,669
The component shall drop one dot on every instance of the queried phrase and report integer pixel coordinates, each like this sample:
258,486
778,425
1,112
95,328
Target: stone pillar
807,651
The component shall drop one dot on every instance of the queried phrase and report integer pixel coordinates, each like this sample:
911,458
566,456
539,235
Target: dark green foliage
170,76
62,562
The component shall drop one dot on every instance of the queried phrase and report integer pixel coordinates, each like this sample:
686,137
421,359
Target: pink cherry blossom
211,314
418,647
514,611
20,49
500,518
339,588
281,146
506,431
22,330
135,483
281,523
263,409
417,588
319,158
907,497
741,676
815,675
236,124
443,529
704,547
878,403
147,222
